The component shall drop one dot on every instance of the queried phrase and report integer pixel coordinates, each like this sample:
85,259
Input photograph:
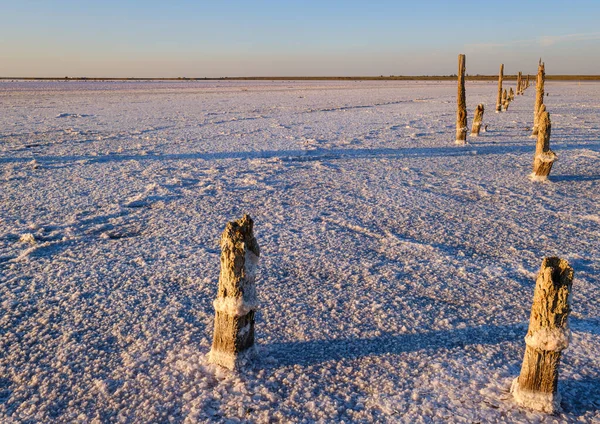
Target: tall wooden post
519,84
499,99
544,157
548,335
477,120
539,96
233,338
461,112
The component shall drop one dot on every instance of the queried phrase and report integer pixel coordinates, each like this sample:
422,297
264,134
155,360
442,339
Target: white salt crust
230,360
539,178
555,339
543,402
235,306
106,316
547,157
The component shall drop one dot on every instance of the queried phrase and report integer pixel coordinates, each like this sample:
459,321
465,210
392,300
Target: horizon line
476,77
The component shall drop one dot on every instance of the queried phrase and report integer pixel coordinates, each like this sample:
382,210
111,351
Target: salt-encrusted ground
397,269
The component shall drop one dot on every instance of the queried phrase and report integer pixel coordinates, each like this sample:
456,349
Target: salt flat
397,269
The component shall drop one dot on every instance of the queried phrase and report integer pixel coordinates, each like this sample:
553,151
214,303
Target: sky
149,38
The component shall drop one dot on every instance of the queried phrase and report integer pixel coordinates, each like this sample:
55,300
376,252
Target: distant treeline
371,78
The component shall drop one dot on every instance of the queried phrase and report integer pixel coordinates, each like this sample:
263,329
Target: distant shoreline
379,78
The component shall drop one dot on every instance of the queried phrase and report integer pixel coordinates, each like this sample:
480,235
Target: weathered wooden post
519,84
527,83
511,94
544,157
499,98
236,302
548,335
461,112
539,97
477,120
504,100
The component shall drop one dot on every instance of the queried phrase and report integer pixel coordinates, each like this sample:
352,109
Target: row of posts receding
548,335
544,157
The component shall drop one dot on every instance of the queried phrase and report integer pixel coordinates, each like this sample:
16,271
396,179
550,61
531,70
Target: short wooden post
504,100
519,84
461,112
499,98
511,94
477,120
539,97
548,335
544,157
236,302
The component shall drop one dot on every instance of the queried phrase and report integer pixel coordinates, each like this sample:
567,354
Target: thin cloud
550,40
480,47
483,46
543,41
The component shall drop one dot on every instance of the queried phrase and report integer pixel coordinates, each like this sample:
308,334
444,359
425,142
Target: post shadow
317,351
578,395
300,155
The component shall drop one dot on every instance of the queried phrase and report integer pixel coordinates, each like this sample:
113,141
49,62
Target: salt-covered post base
236,302
548,335
542,165
461,142
233,344
543,402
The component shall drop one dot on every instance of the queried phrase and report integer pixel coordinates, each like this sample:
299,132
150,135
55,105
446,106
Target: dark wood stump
233,337
461,113
539,97
544,157
548,335
477,120
499,99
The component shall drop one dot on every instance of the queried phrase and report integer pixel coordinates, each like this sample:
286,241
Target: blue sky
243,38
